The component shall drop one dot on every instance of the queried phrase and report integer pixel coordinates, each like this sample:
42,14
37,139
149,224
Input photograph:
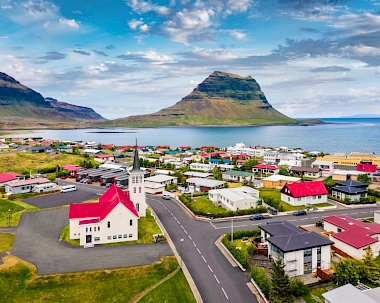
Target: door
89,239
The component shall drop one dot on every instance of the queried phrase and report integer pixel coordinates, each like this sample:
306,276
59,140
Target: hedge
259,275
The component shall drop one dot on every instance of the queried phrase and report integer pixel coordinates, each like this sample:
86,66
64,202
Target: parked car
299,212
256,217
108,185
82,180
166,197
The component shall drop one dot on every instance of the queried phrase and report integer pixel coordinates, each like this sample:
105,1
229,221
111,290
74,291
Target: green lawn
10,211
316,292
147,228
203,204
243,245
6,241
174,290
325,204
19,282
276,195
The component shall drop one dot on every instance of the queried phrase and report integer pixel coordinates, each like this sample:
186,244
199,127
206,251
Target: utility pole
232,230
181,254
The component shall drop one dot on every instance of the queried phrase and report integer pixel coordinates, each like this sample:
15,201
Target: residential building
225,167
278,181
204,185
240,149
42,149
25,186
309,172
327,167
301,251
351,294
265,169
196,174
113,218
105,158
200,166
4,146
237,176
91,151
352,236
235,198
353,159
306,193
8,177
45,187
162,179
90,145
354,190
65,148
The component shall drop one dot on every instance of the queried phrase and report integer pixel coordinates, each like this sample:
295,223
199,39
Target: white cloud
71,23
133,24
240,6
4,7
236,34
144,7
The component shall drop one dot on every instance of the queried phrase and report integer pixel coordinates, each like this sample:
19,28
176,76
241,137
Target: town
303,217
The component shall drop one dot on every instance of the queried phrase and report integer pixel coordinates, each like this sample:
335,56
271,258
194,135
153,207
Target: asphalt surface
36,241
84,192
215,278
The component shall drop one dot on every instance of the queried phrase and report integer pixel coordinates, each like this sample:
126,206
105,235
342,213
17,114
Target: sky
312,58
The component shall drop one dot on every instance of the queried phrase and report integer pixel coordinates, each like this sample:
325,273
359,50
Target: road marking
204,259
303,219
315,217
344,214
175,218
210,268
182,227
292,220
354,213
199,251
240,225
363,212
216,279
190,237
178,222
225,293
185,231
194,244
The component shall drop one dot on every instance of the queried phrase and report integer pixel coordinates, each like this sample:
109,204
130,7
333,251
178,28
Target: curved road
215,278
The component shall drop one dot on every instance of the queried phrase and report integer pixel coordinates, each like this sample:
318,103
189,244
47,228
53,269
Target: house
45,187
351,294
240,149
301,251
200,166
235,198
113,218
353,159
309,172
196,174
352,236
265,169
90,145
4,146
237,176
327,167
24,186
305,193
42,149
65,148
354,190
73,169
91,151
162,179
105,158
107,146
278,181
204,185
10,177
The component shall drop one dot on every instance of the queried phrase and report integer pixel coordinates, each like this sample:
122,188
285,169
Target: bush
259,275
298,288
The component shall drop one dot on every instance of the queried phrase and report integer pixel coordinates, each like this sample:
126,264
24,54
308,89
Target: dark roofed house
302,251
310,172
354,190
42,149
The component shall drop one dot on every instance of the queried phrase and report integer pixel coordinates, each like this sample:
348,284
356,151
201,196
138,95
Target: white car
166,196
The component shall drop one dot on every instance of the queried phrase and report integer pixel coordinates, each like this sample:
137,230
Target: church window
133,179
98,228
130,222
134,190
140,190
140,179
138,206
108,224
90,229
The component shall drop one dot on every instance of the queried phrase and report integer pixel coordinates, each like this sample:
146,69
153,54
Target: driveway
37,242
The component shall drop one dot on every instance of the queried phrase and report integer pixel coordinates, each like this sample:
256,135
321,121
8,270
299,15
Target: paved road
216,279
37,242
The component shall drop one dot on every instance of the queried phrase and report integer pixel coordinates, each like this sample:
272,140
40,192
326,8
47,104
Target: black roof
40,148
352,183
281,228
349,189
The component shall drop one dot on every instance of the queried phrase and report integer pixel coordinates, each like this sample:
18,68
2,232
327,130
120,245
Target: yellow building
353,159
278,181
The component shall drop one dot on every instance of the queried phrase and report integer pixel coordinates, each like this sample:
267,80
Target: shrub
259,275
298,288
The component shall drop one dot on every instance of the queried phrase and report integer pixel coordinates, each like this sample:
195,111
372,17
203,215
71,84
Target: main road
216,279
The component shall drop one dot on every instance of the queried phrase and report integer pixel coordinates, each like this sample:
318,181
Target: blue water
351,134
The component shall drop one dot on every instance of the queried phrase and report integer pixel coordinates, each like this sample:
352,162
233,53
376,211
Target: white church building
114,218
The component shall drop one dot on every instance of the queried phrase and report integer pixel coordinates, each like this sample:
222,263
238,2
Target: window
314,197
109,238
130,222
319,263
298,199
288,199
114,237
90,229
108,224
130,235
307,267
140,190
140,179
125,236
98,228
319,249
319,197
138,207
120,236
339,230
97,239
133,179
134,190
307,252
86,230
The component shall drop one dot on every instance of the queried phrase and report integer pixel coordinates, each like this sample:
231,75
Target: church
114,218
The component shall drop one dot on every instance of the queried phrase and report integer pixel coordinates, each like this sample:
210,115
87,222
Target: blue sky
312,58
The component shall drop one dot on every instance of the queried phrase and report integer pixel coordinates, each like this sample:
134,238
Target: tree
280,283
217,173
346,271
370,268
247,166
261,278
284,170
364,178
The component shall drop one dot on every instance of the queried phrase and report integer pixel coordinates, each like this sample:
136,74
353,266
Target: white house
162,179
240,149
305,193
197,174
10,177
235,198
310,172
113,219
109,158
353,236
25,186
301,251
327,167
237,176
204,185
351,294
200,166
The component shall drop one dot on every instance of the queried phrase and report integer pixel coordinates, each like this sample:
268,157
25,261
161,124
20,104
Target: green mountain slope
221,99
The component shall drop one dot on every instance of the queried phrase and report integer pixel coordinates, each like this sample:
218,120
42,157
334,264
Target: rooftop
305,189
28,182
160,178
9,176
281,177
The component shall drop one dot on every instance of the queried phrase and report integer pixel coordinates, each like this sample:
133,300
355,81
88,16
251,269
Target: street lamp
9,217
181,254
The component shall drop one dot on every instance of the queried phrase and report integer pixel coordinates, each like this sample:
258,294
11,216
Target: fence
323,275
340,252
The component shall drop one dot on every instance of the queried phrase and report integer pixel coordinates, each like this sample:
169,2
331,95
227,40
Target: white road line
204,259
210,268
303,219
363,212
199,251
190,237
240,225
194,244
175,218
216,279
344,214
179,223
185,231
182,227
354,213
315,217
225,293
292,220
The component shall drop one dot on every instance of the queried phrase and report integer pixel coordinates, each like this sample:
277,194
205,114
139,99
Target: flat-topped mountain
221,99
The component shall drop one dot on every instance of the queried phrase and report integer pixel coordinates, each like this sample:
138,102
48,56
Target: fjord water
338,134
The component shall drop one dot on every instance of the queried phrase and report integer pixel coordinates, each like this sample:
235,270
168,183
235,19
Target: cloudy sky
312,58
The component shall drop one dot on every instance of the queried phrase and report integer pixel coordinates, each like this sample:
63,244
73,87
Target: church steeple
136,161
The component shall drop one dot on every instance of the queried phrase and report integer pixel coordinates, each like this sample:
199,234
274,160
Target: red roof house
10,177
305,193
103,158
265,169
368,168
353,236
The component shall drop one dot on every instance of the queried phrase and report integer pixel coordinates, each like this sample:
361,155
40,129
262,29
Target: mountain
221,99
74,111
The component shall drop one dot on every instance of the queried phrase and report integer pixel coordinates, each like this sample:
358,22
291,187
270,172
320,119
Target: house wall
342,196
19,189
348,249
312,175
303,200
377,217
276,184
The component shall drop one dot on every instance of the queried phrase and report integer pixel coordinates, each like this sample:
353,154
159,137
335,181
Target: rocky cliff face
221,99
74,111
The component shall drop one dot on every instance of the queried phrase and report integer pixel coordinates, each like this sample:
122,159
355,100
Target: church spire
136,161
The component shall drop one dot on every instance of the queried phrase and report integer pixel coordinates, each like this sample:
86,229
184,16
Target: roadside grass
6,241
324,204
203,204
316,292
147,228
234,184
275,194
19,282
242,245
10,211
174,290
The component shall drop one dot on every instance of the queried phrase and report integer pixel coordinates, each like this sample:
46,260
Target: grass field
325,204
10,211
203,204
317,292
147,228
6,241
276,195
20,283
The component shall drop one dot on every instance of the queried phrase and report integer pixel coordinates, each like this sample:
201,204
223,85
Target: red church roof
305,189
107,202
356,233
366,168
